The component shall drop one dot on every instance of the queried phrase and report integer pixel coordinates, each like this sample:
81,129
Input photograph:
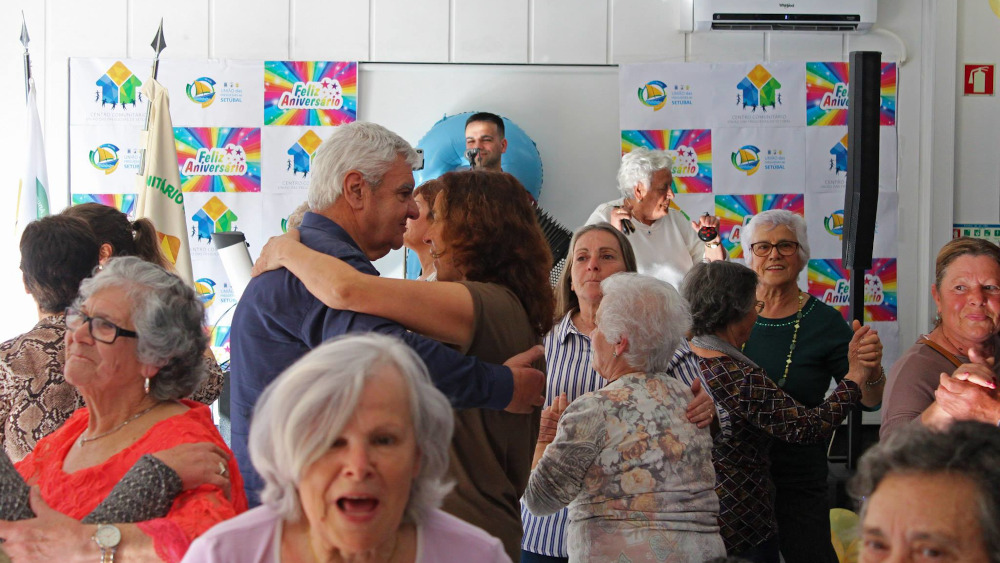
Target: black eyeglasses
760,305
102,330
785,248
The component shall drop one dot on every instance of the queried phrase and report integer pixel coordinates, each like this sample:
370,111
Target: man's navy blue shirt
278,321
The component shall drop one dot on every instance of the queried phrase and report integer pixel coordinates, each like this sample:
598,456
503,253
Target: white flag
33,192
159,183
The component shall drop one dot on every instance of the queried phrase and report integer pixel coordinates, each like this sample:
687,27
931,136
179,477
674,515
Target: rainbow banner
735,211
122,202
218,159
827,93
829,282
691,149
310,92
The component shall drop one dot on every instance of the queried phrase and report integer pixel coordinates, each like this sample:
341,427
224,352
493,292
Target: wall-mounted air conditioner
842,16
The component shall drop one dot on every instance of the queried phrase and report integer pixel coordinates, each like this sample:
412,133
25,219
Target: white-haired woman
134,342
802,344
665,244
636,474
352,444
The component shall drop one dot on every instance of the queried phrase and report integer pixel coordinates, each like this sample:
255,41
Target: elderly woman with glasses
724,307
803,345
133,350
352,444
636,474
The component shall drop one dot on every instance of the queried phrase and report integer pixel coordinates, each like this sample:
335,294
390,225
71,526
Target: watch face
107,536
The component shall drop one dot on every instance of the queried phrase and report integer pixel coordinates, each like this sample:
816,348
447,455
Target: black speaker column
861,199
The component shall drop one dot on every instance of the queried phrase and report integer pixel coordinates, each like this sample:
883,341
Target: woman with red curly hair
492,300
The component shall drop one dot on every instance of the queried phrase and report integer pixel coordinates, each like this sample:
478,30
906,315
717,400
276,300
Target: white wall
543,32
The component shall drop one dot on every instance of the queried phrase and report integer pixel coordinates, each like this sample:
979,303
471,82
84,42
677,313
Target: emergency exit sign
978,80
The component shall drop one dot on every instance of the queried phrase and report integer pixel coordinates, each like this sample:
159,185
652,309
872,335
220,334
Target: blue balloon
444,151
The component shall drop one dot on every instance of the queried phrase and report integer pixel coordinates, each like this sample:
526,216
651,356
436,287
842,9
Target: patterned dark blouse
35,399
759,411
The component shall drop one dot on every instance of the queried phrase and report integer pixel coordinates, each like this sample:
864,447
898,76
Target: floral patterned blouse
637,476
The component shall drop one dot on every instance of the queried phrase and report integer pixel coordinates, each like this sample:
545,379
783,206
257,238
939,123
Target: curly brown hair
490,227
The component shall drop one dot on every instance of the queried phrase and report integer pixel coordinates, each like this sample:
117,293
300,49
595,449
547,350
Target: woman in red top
133,349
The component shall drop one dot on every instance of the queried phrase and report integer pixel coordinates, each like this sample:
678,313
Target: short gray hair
967,449
366,147
649,312
168,317
719,293
769,220
638,166
302,413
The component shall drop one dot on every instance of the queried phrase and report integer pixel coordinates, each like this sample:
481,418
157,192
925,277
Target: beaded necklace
795,337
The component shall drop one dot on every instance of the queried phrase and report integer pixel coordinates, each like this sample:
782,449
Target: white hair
302,413
638,166
769,220
649,312
366,147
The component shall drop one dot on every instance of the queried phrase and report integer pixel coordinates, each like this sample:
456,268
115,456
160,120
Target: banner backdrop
747,137
245,133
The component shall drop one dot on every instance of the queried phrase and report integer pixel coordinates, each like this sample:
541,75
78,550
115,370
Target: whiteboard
571,112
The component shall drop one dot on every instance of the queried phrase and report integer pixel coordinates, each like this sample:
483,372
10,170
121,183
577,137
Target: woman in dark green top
803,345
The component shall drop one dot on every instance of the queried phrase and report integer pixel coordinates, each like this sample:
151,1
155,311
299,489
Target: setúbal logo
202,91
105,158
746,159
653,94
205,287
834,224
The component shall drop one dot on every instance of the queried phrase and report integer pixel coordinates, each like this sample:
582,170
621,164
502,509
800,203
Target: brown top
491,451
911,385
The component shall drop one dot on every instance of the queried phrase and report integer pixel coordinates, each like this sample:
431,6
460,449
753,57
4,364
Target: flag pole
158,45
27,58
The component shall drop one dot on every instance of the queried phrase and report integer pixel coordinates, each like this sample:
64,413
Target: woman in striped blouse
596,252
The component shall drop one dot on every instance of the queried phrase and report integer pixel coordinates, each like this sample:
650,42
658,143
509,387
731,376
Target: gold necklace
795,337
83,440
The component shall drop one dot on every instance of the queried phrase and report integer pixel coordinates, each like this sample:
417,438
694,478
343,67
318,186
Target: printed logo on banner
122,202
653,94
107,158
310,93
829,282
834,224
838,160
218,159
118,87
758,89
735,211
219,342
827,86
205,287
691,150
750,158
202,91
213,217
302,153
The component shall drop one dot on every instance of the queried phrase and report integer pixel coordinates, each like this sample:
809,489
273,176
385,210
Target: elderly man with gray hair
666,245
360,196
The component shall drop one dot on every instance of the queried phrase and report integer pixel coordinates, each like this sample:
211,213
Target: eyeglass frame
760,244
89,321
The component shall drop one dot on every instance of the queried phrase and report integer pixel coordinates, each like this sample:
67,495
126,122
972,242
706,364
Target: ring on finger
222,469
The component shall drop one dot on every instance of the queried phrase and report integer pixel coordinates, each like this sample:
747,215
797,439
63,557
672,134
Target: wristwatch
107,537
